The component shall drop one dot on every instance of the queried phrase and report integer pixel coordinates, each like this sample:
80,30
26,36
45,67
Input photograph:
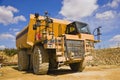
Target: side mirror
38,23
50,21
98,33
36,15
34,27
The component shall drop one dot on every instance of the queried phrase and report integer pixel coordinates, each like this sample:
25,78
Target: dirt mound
109,56
7,60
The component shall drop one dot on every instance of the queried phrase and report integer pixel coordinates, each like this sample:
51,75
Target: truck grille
75,48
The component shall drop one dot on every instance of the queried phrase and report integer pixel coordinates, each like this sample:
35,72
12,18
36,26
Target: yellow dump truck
47,43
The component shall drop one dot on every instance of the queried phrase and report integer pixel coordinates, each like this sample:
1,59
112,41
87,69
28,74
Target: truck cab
77,28
82,33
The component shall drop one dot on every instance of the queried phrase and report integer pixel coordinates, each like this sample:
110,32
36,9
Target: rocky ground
110,56
105,66
106,72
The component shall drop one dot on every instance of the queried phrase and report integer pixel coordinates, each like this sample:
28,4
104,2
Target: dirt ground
64,73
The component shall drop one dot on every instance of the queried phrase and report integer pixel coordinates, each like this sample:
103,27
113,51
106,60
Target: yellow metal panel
27,39
21,39
31,33
86,37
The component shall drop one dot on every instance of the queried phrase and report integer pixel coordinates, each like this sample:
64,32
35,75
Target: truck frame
48,43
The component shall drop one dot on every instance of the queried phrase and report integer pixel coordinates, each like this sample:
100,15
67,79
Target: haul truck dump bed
47,43
26,38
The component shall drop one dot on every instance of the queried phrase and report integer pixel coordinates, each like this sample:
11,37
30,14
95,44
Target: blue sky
14,16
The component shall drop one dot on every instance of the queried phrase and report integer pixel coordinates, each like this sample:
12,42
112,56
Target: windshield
83,28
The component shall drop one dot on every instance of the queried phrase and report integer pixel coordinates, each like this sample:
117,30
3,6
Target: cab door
71,29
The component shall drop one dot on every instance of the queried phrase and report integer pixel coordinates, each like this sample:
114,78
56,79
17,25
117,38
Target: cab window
71,29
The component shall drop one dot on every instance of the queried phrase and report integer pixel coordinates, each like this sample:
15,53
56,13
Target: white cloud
7,36
2,47
115,41
19,18
14,29
7,15
10,8
110,25
17,33
106,15
115,45
114,4
76,9
116,38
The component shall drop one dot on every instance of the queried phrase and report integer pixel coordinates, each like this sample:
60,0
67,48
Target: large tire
53,65
23,60
31,62
40,60
77,67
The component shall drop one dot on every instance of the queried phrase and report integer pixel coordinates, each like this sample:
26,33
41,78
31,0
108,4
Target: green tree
10,52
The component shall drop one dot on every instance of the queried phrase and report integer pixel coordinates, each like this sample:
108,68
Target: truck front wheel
40,60
77,67
52,60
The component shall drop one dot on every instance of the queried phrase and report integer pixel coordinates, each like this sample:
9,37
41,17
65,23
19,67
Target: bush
10,52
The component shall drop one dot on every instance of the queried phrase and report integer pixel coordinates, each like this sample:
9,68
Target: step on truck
48,43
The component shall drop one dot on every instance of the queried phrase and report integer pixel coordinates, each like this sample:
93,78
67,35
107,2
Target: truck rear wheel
40,60
77,67
52,60
23,60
